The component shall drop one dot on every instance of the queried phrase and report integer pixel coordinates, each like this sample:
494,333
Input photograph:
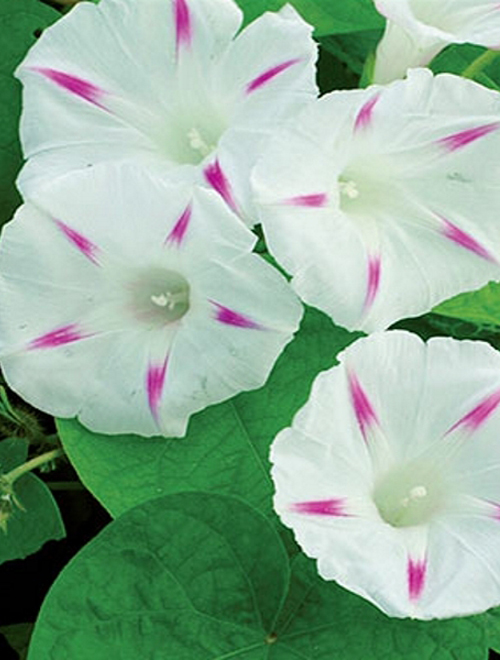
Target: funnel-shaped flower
383,202
165,83
417,30
390,474
131,303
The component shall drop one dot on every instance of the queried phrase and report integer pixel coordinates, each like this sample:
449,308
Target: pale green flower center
410,495
159,296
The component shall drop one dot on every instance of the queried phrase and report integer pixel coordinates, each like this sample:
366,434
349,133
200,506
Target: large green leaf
185,576
19,21
327,16
197,576
39,519
226,447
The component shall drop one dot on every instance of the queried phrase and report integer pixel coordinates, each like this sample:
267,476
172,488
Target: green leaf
39,521
226,447
19,20
13,452
333,74
192,575
352,49
474,62
327,16
197,576
479,307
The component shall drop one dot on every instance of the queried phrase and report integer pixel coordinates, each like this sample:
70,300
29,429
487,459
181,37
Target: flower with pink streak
174,85
390,474
383,202
417,30
131,303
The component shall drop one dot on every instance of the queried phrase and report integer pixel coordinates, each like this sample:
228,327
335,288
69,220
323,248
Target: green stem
480,63
17,472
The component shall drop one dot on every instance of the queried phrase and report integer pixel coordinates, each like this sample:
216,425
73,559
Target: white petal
270,70
399,50
396,181
117,399
463,567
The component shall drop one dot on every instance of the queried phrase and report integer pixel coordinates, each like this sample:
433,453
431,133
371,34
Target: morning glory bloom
383,202
171,84
390,474
131,303
417,30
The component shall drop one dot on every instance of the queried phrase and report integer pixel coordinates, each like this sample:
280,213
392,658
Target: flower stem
35,462
480,63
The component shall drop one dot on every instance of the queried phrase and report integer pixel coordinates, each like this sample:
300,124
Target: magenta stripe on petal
463,138
230,317
155,381
416,571
465,240
478,415
86,246
183,28
315,200
495,514
269,75
364,116
58,337
363,409
333,507
215,177
495,509
374,270
75,85
178,233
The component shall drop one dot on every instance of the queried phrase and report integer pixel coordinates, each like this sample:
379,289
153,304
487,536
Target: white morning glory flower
171,84
417,30
132,303
383,202
390,474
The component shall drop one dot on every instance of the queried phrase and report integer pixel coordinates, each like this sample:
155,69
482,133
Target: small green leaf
198,576
39,520
327,16
192,575
479,307
19,20
13,452
226,447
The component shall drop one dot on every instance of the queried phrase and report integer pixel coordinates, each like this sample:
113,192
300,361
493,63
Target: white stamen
197,142
162,300
349,189
168,299
417,492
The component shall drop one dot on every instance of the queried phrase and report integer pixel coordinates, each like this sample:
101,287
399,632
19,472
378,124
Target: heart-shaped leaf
39,520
